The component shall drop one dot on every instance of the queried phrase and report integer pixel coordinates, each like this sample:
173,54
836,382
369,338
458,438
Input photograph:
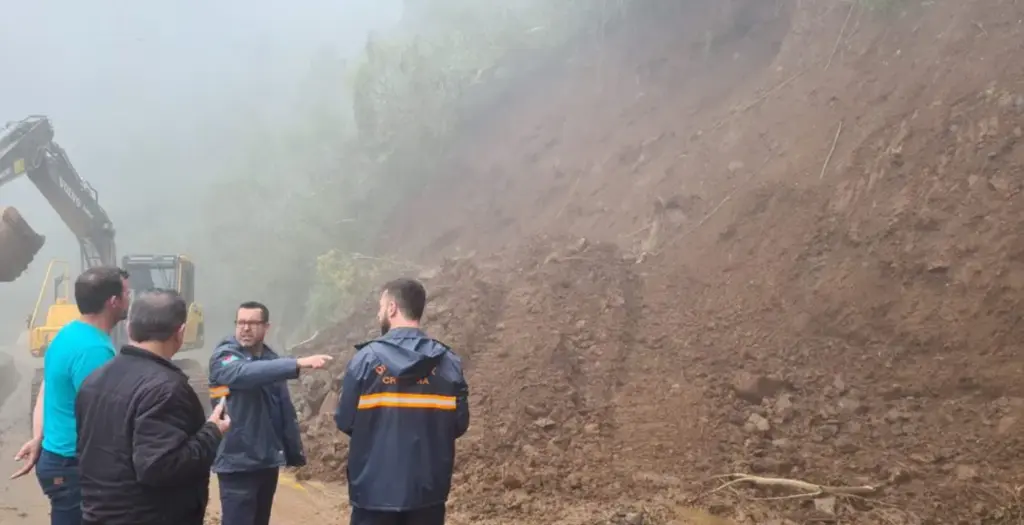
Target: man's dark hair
409,295
256,305
156,315
96,286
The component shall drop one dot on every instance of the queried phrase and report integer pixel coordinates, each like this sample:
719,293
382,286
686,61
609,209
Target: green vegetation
342,279
309,192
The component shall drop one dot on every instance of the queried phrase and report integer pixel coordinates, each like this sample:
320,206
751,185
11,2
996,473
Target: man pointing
252,379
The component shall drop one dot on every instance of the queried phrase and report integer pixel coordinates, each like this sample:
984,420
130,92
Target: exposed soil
667,284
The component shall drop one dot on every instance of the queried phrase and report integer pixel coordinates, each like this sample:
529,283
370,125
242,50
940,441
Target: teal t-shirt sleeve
89,359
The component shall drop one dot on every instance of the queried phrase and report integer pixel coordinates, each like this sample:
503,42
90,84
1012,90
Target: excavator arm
27,148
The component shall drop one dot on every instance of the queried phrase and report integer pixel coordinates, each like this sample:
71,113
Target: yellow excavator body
57,315
174,272
43,328
170,272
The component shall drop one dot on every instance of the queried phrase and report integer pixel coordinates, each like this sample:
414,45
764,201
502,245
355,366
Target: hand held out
29,456
220,418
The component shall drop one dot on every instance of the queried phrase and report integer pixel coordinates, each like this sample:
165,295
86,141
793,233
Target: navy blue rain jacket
404,402
264,426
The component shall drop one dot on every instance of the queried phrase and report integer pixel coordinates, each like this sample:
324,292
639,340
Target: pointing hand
314,361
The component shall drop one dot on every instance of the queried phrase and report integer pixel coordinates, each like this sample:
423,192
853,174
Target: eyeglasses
249,323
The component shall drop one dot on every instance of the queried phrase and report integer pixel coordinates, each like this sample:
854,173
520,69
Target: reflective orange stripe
217,392
397,400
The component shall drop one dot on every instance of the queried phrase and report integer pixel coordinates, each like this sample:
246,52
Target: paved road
21,502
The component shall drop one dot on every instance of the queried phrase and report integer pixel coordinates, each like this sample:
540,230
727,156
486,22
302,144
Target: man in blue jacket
247,375
404,402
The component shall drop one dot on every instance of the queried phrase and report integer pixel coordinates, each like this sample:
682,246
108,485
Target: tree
291,218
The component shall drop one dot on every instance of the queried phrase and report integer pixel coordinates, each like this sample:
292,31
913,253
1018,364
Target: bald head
156,316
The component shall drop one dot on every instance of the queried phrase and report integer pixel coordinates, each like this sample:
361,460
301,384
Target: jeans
246,498
427,516
58,476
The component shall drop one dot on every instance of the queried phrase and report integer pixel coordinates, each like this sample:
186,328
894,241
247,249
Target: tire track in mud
632,296
547,391
586,301
545,336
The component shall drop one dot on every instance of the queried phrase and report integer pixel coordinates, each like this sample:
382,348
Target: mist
272,146
668,240
152,104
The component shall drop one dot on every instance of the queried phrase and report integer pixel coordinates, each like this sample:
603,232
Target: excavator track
19,244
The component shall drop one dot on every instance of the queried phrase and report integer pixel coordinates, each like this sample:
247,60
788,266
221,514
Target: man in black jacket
144,448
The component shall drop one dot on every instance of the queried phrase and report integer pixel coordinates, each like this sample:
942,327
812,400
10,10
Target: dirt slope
745,300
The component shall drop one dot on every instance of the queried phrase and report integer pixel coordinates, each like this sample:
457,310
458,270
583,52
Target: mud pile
854,324
584,412
586,409
542,336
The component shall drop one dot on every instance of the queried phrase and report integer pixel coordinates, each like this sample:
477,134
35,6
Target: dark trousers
247,497
427,516
58,476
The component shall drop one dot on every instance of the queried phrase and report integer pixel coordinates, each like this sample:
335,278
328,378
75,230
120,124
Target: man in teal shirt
79,348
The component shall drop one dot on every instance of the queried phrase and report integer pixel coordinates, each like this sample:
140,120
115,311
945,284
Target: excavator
27,149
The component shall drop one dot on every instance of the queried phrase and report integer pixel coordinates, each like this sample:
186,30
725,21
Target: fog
147,100
269,143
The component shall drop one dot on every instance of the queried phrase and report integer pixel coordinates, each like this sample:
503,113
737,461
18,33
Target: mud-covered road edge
9,378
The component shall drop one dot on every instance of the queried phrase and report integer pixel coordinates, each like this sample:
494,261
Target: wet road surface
22,502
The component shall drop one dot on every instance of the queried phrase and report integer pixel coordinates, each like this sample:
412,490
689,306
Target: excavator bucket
19,244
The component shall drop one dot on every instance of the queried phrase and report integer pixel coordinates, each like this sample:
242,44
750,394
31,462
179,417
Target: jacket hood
407,352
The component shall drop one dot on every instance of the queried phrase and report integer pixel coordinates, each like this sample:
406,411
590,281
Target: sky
140,92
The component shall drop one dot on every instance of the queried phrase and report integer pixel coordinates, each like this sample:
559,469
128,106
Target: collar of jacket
403,333
134,351
268,353
397,333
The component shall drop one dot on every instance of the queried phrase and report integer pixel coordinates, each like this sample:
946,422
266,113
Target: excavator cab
170,272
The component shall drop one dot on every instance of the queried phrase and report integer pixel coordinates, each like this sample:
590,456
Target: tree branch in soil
835,141
756,101
806,489
728,196
840,37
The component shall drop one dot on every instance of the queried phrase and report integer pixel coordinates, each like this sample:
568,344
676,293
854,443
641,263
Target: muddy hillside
769,238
